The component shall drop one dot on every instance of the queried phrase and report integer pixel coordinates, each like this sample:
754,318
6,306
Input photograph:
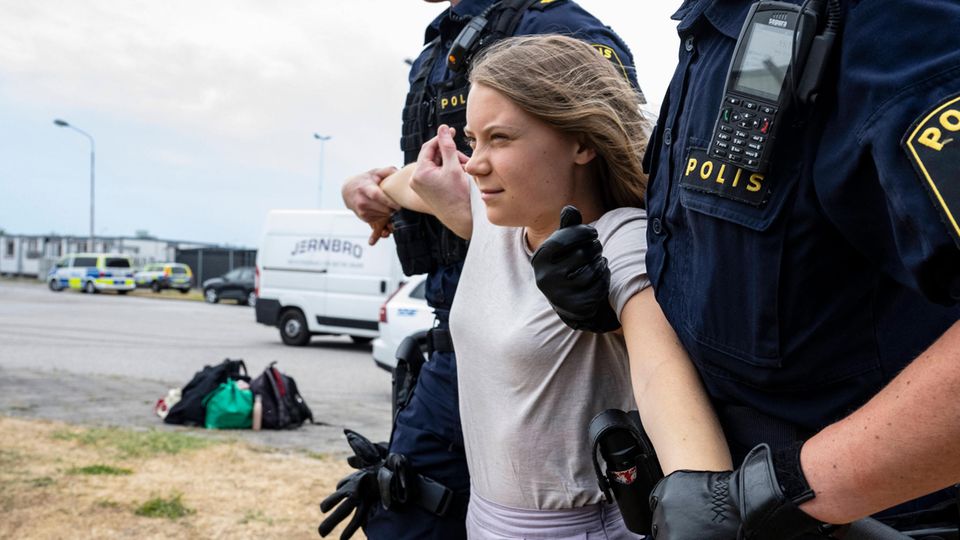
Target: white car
405,312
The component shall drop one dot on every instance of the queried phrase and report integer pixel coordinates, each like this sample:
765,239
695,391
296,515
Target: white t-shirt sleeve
623,233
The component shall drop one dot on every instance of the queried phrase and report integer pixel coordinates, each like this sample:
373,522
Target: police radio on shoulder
468,41
778,63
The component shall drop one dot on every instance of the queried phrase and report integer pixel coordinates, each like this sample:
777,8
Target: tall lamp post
323,139
63,123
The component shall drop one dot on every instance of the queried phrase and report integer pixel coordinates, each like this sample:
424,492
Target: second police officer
818,299
426,446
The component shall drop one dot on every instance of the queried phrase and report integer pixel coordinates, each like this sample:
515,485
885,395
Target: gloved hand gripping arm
758,501
572,273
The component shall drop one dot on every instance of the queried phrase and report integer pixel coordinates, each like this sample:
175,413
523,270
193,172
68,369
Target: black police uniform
797,307
427,429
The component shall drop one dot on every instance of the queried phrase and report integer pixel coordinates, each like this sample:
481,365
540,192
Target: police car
405,312
92,272
160,276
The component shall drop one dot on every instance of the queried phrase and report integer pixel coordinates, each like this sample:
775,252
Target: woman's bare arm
397,187
436,184
673,404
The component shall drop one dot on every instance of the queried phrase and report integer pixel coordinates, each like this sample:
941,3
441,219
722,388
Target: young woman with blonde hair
552,124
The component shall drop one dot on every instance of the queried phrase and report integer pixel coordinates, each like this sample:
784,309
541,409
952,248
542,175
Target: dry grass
219,490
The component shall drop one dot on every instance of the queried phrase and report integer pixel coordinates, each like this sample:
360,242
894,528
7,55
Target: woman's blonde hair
567,84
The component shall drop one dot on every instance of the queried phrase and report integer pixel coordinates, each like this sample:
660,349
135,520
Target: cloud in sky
203,112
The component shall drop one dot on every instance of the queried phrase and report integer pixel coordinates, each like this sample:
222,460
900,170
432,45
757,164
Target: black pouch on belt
632,466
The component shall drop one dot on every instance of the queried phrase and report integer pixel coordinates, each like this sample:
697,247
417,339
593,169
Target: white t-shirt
529,385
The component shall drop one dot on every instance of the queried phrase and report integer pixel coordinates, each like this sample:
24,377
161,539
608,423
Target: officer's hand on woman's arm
573,275
437,185
362,195
899,446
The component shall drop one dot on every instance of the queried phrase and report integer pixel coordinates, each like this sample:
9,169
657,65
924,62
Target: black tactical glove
572,273
747,504
357,492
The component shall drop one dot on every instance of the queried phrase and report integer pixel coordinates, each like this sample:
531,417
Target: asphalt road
105,359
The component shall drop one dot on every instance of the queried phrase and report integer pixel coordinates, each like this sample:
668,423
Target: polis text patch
932,145
711,175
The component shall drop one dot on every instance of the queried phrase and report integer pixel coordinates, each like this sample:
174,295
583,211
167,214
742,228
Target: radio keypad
749,123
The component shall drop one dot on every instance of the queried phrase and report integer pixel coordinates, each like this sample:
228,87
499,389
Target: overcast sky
204,111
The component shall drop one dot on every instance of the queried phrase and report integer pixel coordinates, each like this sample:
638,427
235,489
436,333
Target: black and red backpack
283,406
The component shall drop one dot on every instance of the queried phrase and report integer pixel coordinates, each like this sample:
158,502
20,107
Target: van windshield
118,262
179,270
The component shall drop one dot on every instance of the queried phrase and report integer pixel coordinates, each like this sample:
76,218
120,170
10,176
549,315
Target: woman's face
523,167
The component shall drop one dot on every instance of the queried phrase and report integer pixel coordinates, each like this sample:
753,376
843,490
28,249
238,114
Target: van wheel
211,296
155,286
184,291
360,340
293,328
122,292
55,285
90,288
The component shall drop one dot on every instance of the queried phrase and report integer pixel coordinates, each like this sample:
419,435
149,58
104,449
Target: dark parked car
238,284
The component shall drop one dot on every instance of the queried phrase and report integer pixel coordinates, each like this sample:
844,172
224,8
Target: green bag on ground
229,407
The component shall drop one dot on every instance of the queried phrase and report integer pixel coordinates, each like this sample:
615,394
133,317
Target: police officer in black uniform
419,486
818,299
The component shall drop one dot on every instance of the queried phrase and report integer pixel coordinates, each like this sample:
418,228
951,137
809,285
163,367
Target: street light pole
323,139
93,154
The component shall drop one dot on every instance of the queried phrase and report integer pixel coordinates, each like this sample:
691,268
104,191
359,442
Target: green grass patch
107,504
169,508
98,469
135,444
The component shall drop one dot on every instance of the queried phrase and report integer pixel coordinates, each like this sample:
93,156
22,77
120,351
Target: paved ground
105,359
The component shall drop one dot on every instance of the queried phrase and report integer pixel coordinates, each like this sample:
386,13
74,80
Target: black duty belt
439,340
399,485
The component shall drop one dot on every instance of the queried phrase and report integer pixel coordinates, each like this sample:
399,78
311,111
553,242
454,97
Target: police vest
422,241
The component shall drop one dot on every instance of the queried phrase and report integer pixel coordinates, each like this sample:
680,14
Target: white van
317,275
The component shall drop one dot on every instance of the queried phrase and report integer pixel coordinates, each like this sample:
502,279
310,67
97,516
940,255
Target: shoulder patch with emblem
932,145
611,54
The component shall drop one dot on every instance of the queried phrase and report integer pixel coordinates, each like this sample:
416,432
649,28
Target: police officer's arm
437,185
902,444
671,399
362,194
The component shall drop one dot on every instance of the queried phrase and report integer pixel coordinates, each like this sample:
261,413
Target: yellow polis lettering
720,178
691,166
706,170
755,182
454,101
932,136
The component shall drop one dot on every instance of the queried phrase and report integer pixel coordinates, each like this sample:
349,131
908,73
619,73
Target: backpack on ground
190,410
283,406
